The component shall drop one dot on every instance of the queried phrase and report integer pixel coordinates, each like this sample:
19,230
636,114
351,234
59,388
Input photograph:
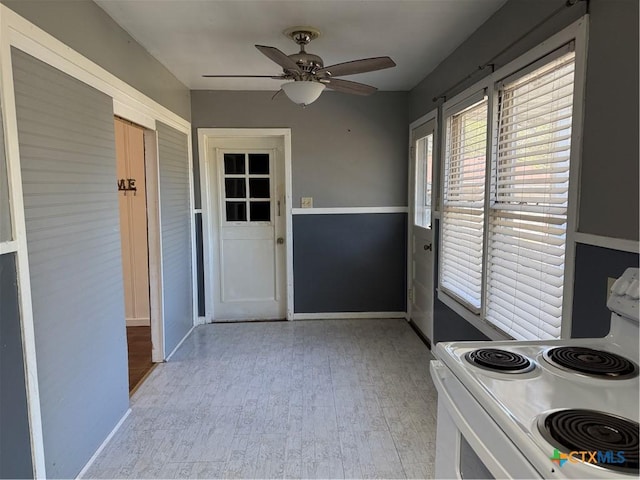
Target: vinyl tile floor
307,399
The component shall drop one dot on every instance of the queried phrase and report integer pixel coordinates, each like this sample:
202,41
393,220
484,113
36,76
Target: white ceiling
196,37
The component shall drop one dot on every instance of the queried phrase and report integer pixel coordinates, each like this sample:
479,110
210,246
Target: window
528,215
247,187
463,205
504,236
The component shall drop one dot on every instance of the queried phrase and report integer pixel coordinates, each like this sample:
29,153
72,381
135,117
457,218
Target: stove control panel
625,294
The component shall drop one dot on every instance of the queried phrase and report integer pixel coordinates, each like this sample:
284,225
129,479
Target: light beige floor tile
317,399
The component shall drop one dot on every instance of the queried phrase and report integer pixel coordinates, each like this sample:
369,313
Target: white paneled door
421,231
249,237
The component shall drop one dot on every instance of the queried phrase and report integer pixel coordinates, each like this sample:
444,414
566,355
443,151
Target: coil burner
595,363
499,360
574,430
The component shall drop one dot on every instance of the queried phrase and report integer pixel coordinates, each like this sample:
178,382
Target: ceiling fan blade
279,57
277,93
358,66
245,76
347,86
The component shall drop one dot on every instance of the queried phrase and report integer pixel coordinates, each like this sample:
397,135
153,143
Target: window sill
472,318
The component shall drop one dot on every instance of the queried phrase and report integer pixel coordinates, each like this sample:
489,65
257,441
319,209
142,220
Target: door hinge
411,294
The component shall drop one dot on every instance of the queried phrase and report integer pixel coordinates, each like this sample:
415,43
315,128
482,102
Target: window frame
577,32
418,170
246,176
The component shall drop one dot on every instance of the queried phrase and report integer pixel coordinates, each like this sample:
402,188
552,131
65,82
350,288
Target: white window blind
528,215
463,205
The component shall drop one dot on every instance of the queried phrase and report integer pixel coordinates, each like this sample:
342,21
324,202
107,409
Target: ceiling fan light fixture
303,92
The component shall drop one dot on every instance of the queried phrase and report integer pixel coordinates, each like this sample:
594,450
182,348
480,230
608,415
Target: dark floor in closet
139,344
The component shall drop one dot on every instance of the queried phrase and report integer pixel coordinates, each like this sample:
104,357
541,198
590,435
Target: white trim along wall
128,103
347,210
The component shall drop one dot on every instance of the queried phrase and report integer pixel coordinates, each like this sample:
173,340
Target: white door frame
207,136
154,235
411,191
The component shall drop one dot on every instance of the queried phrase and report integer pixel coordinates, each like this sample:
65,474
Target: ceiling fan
307,74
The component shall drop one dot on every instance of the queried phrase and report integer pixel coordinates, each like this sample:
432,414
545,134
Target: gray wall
85,27
594,265
609,165
502,28
350,263
175,213
348,151
67,149
15,442
609,177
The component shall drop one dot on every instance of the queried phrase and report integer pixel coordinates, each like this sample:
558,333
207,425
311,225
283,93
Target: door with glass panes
250,230
421,236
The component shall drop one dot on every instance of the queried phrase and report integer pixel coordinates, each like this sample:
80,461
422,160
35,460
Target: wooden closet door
133,222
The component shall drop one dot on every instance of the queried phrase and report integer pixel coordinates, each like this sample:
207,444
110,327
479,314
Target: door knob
280,241
427,247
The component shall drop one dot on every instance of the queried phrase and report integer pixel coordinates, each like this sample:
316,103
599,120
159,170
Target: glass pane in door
260,211
424,180
234,188
234,163
259,188
259,163
236,211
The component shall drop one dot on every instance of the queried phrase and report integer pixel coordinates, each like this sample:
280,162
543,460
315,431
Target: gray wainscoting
67,150
350,262
175,220
594,265
15,444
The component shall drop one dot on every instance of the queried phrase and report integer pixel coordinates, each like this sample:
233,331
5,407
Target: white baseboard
348,315
201,320
138,322
103,444
180,343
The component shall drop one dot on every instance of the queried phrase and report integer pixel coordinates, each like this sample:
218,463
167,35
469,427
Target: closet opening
135,193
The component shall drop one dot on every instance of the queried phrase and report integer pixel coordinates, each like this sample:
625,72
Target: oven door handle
440,374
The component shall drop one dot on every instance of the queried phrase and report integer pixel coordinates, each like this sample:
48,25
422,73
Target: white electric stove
543,409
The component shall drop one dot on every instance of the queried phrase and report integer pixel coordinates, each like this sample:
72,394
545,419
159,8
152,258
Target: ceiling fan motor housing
308,62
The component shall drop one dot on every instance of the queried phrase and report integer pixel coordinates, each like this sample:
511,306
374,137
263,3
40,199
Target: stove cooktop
518,402
542,408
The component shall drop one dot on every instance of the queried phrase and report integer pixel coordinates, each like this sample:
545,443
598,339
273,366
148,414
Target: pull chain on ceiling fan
307,74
